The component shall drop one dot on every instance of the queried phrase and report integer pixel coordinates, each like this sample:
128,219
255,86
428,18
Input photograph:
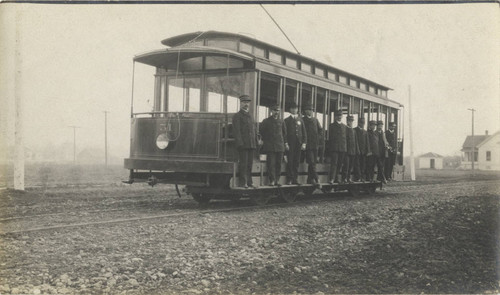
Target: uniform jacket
352,142
244,130
313,131
391,139
273,132
337,141
373,138
382,143
362,137
295,131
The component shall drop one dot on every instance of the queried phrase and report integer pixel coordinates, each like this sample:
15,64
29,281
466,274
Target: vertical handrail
132,95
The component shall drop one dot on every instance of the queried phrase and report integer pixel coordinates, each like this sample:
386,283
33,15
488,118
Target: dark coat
352,142
244,130
391,139
313,131
362,137
296,131
337,141
273,132
381,144
373,138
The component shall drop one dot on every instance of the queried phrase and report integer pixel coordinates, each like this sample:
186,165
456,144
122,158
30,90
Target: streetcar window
190,64
257,51
353,82
269,95
245,47
343,79
320,72
321,106
222,62
184,94
291,62
372,89
383,93
355,109
362,86
229,44
306,96
306,67
222,92
276,57
345,100
334,105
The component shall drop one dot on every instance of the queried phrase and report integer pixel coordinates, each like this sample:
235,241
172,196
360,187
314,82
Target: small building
430,161
486,152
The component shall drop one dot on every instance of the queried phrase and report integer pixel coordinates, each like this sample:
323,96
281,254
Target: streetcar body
187,137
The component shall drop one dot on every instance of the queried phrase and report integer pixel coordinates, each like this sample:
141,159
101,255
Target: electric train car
186,139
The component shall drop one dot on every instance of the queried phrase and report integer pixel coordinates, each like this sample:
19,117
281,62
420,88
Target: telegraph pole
106,138
412,159
74,142
19,130
473,146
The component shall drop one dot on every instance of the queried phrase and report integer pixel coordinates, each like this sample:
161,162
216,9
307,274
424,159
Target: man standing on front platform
313,131
246,141
273,132
382,146
352,150
372,159
296,139
337,146
364,151
392,141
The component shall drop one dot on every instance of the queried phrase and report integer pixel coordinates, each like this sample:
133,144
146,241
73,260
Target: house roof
488,139
431,155
478,139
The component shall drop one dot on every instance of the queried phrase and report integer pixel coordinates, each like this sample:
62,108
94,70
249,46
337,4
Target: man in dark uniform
372,160
296,138
246,141
337,146
392,142
313,131
352,150
273,132
364,151
382,146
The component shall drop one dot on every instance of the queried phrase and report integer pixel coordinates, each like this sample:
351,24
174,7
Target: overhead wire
275,22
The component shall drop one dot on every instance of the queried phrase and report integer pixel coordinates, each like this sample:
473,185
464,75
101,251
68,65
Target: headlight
162,141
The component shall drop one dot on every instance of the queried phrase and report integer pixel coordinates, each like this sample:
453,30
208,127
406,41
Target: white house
430,161
487,152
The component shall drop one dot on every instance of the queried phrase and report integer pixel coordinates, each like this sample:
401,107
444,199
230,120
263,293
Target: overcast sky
76,61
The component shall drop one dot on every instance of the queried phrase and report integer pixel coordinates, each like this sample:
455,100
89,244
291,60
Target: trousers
274,166
370,166
389,165
348,166
360,167
245,161
337,158
292,167
311,159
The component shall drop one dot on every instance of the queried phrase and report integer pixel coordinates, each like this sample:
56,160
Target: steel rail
201,212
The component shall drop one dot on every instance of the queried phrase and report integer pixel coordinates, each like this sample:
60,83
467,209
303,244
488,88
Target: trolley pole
106,138
473,146
412,158
74,142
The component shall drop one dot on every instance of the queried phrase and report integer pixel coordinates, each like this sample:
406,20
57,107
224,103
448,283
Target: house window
488,155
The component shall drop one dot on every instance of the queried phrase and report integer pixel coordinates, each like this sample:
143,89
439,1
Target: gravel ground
441,238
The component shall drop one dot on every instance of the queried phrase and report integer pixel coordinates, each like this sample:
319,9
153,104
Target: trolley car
187,138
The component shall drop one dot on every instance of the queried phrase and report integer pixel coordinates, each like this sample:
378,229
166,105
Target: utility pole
473,146
412,159
74,142
19,130
106,138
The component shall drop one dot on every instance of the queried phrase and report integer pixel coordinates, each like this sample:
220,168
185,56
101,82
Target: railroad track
218,210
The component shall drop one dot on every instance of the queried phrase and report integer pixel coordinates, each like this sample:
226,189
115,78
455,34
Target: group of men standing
352,151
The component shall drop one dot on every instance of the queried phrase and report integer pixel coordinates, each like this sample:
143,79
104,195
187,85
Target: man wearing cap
382,146
372,159
313,131
273,132
296,138
352,150
246,141
364,151
392,141
337,146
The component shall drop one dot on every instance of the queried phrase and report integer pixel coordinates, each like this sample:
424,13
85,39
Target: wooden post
412,159
19,132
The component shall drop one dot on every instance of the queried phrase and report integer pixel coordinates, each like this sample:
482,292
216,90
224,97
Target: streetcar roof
180,40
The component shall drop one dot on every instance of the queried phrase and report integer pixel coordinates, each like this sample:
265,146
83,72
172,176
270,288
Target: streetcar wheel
201,198
288,197
261,199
